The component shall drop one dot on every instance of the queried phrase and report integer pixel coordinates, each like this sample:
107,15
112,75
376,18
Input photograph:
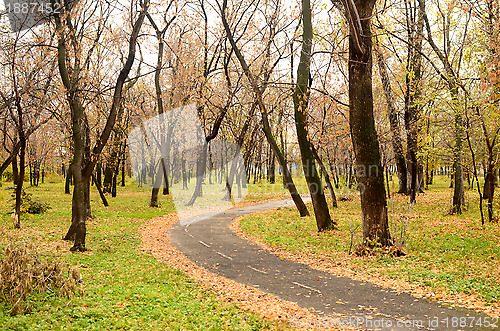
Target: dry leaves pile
21,273
156,241
340,269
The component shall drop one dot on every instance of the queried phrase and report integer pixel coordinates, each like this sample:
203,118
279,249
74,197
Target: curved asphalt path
213,246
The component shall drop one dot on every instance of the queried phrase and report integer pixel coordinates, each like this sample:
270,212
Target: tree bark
77,230
108,172
458,182
473,156
157,184
22,161
115,179
184,174
412,99
99,174
300,103
123,171
239,141
489,186
201,165
369,170
15,170
287,177
69,179
397,145
99,189
272,168
9,159
327,177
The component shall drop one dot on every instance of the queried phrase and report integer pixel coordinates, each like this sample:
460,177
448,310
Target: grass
450,253
125,289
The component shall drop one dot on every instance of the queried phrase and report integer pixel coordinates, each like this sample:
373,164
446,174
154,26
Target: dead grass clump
345,197
366,250
21,273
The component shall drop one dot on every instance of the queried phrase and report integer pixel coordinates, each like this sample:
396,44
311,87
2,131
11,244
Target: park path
338,301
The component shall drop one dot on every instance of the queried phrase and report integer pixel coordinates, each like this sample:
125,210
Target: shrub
35,207
7,175
30,205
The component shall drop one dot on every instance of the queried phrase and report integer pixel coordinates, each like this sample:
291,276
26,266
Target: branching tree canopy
291,84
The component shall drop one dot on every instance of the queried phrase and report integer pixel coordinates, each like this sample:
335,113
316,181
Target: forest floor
124,287
336,301
156,241
450,258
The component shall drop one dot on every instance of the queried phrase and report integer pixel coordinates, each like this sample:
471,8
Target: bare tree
397,144
452,79
287,177
165,141
300,102
71,66
30,78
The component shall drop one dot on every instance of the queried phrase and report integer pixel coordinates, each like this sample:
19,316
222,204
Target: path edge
155,235
470,302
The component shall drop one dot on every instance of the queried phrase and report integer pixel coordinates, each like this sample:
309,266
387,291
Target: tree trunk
489,185
239,141
15,170
458,184
300,103
166,184
82,169
113,184
272,168
108,174
98,178
397,144
165,143
473,156
10,158
327,177
201,165
386,170
412,102
114,159
184,174
427,172
77,230
362,124
20,177
87,179
349,176
123,172
69,177
99,189
287,177
156,187
31,174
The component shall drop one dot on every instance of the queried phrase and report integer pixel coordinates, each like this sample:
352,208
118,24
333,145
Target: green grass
453,253
262,189
125,289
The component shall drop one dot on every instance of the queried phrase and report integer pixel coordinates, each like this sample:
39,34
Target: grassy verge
450,253
124,287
